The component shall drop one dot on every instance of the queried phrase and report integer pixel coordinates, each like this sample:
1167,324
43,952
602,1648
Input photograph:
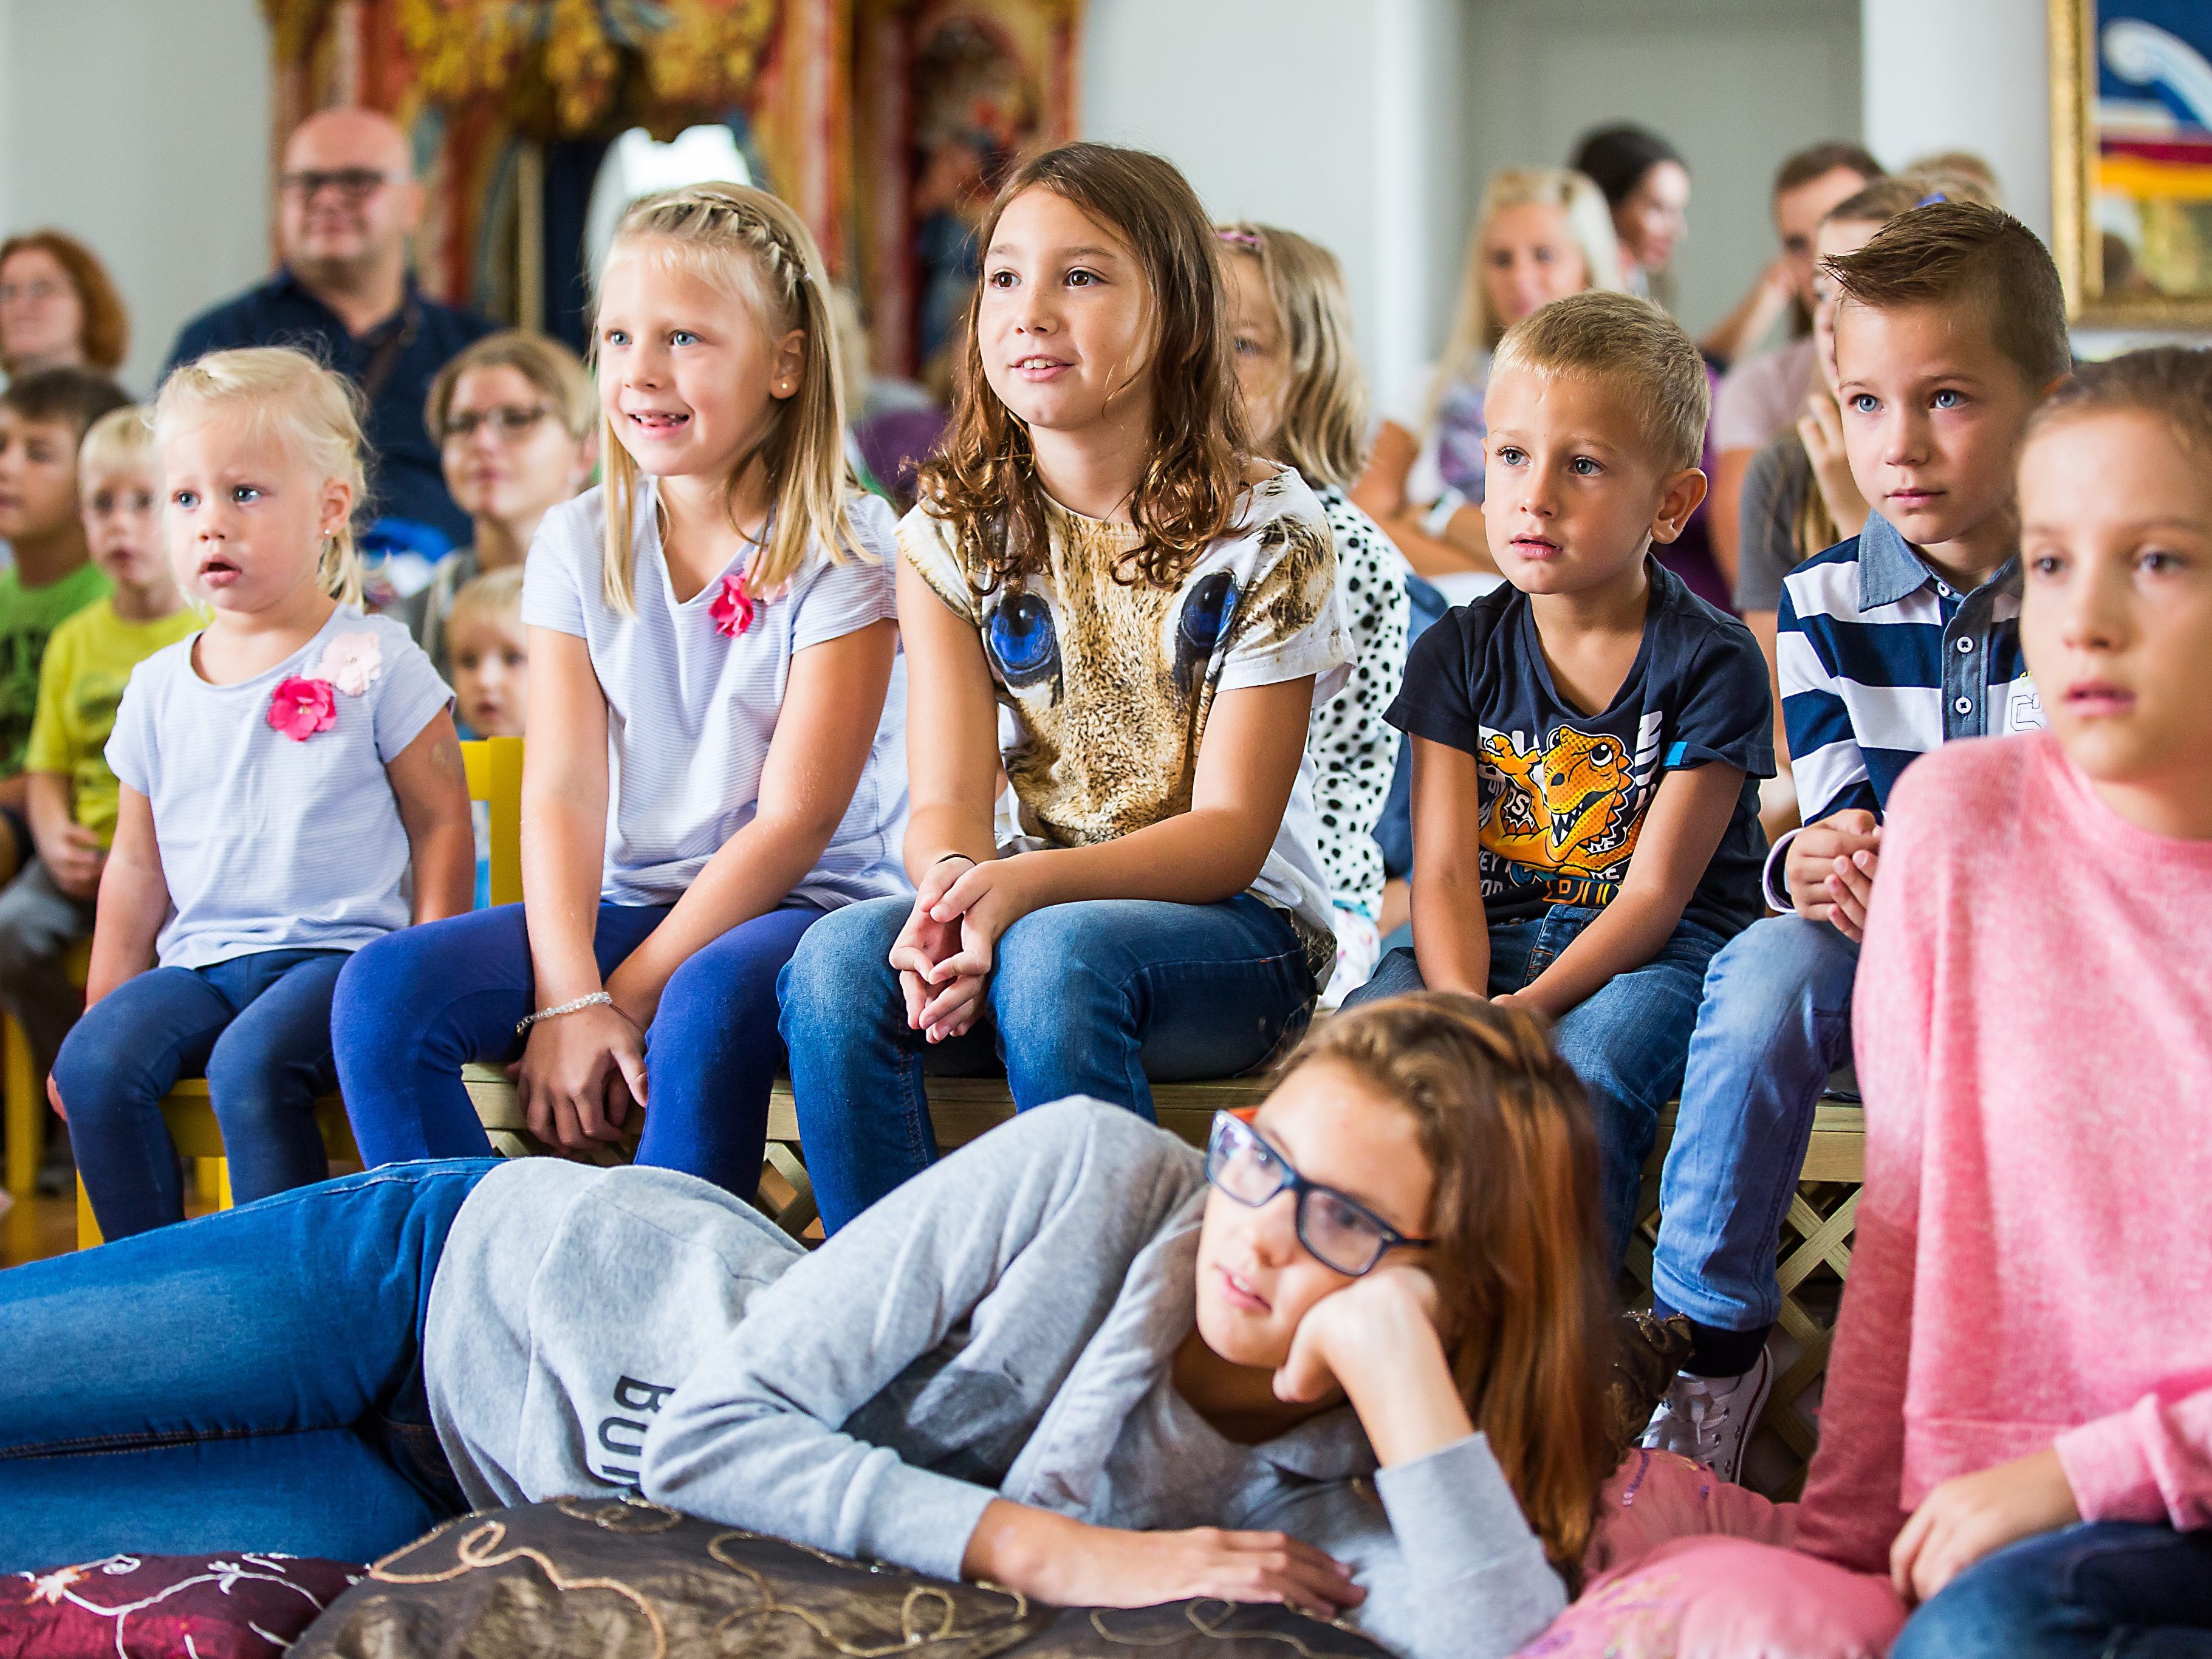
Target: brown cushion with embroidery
623,1579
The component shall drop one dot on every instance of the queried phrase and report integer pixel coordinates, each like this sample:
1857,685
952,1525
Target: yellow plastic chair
495,769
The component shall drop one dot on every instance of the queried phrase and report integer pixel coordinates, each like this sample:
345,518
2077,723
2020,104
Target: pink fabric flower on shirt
351,662
732,607
300,707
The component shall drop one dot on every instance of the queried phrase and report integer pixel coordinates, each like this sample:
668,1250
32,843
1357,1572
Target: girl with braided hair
1350,1358
714,732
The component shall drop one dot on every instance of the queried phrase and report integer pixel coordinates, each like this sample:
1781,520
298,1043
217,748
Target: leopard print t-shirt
1107,683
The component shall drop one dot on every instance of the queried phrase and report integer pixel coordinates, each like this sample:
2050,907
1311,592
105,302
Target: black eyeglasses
506,420
1339,1232
354,184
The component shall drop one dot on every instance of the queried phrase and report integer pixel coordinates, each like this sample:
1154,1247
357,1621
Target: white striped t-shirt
271,842
690,711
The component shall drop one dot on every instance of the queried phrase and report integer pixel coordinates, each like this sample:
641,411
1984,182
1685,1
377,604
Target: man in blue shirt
348,205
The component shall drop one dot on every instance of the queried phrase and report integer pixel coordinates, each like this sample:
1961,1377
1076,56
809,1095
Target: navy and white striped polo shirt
1880,659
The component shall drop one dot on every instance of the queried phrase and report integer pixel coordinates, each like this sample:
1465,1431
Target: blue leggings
415,1006
257,1028
248,1381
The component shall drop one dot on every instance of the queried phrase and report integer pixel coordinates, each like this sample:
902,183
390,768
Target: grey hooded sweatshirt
1002,1325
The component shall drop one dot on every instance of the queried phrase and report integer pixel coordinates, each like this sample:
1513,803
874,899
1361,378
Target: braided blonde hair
283,397
749,243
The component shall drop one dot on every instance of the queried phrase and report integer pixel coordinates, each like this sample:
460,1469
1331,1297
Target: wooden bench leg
88,1225
801,1212
25,1109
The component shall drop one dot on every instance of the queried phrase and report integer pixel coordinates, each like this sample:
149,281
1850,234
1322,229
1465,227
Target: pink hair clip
1244,239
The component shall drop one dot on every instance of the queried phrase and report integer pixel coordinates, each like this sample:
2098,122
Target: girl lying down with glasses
1350,1358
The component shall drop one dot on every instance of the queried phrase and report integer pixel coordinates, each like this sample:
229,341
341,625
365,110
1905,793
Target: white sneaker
1708,1418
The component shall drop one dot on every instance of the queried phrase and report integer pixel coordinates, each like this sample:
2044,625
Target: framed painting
2131,159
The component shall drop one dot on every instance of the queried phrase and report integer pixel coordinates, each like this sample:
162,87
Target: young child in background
1289,318
516,418
43,420
1950,327
2018,1425
1096,553
491,679
491,654
283,771
714,732
73,796
1586,738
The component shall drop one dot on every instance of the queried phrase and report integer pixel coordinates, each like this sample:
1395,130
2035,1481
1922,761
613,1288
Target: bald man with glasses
348,204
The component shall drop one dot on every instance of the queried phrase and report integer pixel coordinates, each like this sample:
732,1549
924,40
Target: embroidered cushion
217,1607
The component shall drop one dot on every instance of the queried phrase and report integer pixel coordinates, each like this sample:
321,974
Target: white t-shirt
1109,683
268,842
690,711
1761,396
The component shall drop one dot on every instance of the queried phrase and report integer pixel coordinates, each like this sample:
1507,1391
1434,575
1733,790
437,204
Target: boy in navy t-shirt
1587,739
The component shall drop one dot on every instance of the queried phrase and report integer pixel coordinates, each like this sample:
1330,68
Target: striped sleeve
1824,757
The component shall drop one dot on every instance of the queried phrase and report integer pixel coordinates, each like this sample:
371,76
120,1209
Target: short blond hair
288,400
1630,344
1324,431
122,438
496,594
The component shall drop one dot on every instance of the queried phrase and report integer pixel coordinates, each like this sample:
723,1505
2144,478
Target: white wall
141,128
1337,119
1736,85
1964,75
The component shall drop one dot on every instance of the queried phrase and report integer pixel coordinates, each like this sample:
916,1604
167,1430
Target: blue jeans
256,1027
249,1381
1775,1022
1394,831
416,1004
1098,997
1625,1041
2099,1590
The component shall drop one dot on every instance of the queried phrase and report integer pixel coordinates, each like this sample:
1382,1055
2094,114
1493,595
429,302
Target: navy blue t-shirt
1563,793
407,480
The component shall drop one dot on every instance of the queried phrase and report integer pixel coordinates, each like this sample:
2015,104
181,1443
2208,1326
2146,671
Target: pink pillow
1655,1497
218,1607
1726,1598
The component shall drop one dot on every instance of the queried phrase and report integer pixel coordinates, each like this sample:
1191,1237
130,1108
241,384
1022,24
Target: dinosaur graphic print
1562,815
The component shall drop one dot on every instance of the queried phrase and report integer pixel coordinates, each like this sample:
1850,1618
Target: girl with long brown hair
1351,1357
1105,593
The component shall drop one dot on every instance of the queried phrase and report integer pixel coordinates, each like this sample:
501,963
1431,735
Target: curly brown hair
1520,1257
983,480
105,337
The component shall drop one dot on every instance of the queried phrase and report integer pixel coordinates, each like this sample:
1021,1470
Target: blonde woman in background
517,425
1543,232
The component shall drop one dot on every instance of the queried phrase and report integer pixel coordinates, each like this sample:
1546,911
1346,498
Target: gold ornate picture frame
2131,161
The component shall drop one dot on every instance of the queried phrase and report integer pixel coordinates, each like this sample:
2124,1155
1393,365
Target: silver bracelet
1438,518
591,1002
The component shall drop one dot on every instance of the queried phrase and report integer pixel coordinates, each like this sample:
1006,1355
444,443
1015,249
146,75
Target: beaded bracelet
591,1002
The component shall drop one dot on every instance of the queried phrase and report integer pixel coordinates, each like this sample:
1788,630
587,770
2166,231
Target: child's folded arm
1681,831
2150,1464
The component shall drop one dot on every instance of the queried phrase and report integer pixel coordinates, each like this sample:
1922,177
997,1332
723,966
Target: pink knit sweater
2033,1264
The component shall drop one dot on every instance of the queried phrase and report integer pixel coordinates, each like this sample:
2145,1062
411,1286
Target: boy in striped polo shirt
1950,330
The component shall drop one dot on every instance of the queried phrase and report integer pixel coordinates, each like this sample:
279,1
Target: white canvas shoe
1708,1418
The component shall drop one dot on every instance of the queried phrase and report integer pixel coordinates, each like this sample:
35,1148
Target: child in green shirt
43,419
70,793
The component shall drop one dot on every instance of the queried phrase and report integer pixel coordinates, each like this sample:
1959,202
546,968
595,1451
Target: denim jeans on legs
256,1027
2098,1591
1098,997
249,1381
1776,1020
1625,1041
418,1004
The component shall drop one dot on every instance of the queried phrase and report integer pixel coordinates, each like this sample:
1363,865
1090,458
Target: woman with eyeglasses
1349,1358
516,419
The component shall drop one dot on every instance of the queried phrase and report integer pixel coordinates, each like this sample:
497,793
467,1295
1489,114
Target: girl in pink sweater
2018,1424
